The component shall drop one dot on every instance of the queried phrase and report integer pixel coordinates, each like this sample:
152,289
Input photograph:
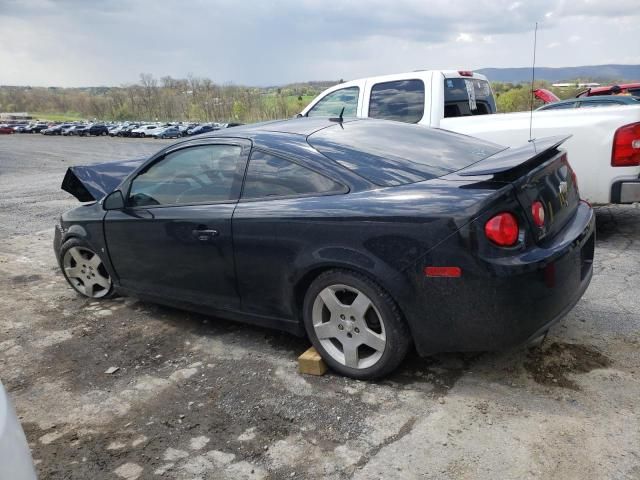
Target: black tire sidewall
397,334
77,242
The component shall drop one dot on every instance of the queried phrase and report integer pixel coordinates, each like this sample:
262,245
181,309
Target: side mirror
113,201
299,115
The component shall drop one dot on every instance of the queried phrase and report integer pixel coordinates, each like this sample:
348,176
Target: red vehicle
545,95
631,88
6,128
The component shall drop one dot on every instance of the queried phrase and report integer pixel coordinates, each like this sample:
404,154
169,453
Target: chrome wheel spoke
73,272
326,330
81,287
330,300
373,340
75,254
101,281
360,305
350,354
95,261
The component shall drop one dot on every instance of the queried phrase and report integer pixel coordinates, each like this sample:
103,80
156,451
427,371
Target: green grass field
57,117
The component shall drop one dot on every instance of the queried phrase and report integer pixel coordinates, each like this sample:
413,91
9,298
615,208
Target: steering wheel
189,176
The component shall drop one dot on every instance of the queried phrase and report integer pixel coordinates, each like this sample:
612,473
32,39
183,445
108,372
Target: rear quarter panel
381,233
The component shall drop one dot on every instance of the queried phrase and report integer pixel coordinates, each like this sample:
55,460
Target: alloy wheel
86,273
349,326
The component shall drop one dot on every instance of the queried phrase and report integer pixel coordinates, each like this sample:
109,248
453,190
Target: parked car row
125,129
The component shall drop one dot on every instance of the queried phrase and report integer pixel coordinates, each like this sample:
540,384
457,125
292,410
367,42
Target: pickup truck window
331,104
467,96
401,100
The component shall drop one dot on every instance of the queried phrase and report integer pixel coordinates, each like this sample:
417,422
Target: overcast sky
269,42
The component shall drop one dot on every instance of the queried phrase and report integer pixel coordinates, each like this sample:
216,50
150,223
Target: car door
269,229
173,238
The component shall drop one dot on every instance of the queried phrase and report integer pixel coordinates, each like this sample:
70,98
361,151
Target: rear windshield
393,153
467,96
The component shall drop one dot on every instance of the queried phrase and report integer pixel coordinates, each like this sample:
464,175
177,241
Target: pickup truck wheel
355,325
84,270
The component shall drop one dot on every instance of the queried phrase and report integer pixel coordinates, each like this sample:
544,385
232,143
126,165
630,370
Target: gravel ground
198,397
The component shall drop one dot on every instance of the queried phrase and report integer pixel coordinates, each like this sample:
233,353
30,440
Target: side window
269,176
400,100
193,175
331,104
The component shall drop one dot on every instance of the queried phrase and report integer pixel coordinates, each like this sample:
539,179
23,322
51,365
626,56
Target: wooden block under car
311,363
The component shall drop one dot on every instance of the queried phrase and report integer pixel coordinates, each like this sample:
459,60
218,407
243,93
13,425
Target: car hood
90,183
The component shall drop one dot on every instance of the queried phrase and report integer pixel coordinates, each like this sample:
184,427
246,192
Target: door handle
205,235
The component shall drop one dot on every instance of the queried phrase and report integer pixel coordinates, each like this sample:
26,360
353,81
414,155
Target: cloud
75,42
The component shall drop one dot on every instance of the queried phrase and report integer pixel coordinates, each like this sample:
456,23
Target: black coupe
366,235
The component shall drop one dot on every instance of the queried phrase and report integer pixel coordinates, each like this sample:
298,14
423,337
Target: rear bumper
499,303
626,191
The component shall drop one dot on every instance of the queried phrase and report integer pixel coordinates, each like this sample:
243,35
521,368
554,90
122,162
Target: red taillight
537,212
452,272
465,73
626,146
502,229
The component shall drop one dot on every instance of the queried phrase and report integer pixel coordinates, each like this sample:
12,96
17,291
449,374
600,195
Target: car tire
84,270
355,325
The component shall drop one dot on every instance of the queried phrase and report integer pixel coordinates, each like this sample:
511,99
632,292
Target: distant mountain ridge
595,73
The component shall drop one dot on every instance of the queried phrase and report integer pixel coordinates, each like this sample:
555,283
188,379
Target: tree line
200,99
164,99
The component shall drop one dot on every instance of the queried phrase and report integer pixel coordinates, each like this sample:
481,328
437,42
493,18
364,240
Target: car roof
619,99
383,152
303,126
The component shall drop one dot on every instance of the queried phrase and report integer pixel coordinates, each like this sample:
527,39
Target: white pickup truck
604,149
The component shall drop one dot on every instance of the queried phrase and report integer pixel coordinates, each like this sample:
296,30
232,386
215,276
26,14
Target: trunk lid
539,172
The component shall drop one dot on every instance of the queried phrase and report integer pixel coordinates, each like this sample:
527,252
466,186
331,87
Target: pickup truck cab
604,149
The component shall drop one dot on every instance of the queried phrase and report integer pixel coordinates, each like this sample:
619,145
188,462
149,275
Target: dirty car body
415,212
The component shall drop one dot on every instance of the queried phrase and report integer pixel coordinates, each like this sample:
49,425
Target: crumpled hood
91,183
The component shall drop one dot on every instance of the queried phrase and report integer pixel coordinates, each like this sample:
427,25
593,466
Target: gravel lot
198,397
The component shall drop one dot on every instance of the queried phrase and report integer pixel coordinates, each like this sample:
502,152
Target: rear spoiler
512,158
91,183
